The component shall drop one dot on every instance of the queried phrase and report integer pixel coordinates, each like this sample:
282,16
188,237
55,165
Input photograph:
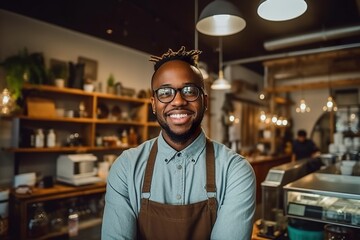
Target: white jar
39,138
51,138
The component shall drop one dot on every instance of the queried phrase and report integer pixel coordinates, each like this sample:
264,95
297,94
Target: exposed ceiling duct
311,38
291,54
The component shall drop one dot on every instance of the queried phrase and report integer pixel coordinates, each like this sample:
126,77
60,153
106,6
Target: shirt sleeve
236,211
119,219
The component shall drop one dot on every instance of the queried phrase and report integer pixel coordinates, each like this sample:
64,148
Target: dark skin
180,120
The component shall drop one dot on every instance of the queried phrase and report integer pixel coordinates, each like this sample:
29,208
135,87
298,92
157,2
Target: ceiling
153,26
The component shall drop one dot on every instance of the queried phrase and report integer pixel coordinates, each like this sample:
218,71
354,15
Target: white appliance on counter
77,169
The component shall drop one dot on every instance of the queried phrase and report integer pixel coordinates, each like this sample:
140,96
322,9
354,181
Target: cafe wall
129,66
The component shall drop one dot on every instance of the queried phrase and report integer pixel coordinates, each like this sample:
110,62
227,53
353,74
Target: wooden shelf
64,230
78,149
120,122
60,191
57,119
47,88
153,124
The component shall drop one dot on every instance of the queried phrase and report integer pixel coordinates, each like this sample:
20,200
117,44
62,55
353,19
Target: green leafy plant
58,71
21,68
111,80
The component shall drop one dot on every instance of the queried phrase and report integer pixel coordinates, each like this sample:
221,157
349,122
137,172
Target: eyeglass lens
167,94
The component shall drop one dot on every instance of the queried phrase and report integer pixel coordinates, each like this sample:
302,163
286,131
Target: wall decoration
90,71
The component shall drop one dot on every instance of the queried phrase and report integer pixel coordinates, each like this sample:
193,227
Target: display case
326,198
46,213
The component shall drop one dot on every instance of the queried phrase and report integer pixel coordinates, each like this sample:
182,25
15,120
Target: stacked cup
347,167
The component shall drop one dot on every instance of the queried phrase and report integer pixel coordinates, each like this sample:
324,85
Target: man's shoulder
222,149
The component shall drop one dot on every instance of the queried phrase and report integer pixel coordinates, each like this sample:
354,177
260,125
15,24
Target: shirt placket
180,172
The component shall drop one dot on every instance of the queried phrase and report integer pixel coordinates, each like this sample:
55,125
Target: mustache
179,109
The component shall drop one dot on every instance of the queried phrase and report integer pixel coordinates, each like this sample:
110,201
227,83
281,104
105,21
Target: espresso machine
273,222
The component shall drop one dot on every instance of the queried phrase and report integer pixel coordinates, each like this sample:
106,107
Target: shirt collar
191,152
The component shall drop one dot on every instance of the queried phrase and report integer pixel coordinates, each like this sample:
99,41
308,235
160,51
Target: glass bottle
73,220
132,137
39,222
51,138
124,138
39,138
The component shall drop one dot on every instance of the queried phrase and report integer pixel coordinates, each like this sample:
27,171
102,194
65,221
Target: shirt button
178,196
179,167
179,154
166,160
193,160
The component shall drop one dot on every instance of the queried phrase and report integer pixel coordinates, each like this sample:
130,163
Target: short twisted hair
191,57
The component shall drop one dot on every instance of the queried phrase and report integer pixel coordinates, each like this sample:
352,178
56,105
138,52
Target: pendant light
302,108
281,10
6,103
220,18
330,104
221,83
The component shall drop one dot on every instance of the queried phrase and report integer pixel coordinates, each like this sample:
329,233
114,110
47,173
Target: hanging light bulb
262,116
262,95
274,119
302,108
285,122
330,105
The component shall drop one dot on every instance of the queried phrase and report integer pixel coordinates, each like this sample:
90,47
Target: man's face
301,138
180,119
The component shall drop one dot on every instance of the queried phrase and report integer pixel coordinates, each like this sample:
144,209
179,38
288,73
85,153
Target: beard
182,137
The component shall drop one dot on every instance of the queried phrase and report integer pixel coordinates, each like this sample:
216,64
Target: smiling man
180,185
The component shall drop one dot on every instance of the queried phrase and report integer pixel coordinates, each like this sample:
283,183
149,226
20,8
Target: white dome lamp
221,83
281,10
220,18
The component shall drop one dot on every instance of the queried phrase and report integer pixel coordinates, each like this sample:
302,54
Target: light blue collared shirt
179,178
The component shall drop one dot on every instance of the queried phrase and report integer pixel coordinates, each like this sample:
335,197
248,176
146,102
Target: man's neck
178,146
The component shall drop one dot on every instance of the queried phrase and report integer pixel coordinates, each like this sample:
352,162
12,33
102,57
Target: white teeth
178,115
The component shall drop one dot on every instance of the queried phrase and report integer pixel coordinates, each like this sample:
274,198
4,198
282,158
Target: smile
178,116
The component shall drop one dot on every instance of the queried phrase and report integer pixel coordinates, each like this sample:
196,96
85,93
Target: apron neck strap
210,167
150,168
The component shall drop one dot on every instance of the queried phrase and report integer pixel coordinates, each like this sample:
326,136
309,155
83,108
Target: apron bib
159,221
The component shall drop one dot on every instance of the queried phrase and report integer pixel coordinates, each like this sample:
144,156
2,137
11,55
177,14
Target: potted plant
21,68
58,72
111,84
88,85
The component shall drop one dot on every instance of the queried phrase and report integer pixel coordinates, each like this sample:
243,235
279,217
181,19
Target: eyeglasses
188,93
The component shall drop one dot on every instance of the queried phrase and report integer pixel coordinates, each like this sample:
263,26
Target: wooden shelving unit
136,116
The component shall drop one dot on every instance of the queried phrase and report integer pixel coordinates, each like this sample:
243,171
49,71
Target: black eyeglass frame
200,91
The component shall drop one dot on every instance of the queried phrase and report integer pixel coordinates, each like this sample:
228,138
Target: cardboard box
40,107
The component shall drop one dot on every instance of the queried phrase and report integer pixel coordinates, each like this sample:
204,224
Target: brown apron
162,221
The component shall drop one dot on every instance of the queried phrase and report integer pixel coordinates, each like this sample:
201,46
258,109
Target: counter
327,198
262,165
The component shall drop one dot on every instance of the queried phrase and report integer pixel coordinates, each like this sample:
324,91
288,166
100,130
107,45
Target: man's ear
206,101
152,99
